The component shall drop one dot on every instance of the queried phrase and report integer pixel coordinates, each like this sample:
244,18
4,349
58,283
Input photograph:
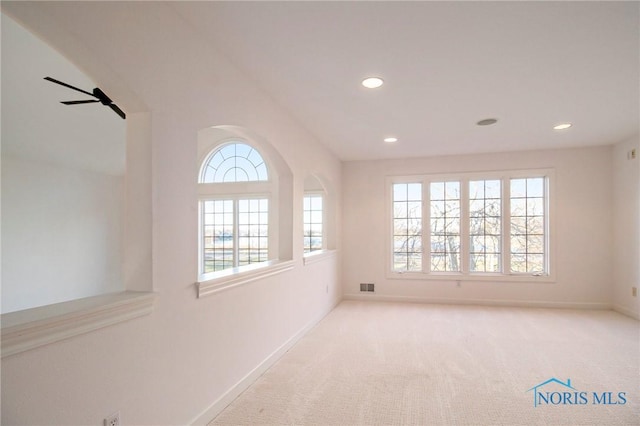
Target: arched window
234,162
234,208
245,208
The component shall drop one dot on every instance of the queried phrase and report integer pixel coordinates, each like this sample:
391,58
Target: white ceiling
446,66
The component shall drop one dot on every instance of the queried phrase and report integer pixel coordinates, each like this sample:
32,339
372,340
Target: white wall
582,239
626,227
61,233
168,368
62,183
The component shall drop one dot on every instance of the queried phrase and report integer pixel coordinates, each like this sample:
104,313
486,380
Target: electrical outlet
112,420
634,291
631,155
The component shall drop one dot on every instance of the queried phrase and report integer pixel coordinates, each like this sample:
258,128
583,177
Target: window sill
317,256
31,328
234,277
469,277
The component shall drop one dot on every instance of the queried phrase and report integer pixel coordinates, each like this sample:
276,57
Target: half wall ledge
235,277
31,328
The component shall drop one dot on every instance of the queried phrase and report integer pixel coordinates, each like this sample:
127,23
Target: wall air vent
367,287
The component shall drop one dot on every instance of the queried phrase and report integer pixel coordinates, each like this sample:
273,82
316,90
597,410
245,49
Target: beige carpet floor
370,363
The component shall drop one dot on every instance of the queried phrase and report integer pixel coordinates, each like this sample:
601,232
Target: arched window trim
219,147
252,188
233,194
277,189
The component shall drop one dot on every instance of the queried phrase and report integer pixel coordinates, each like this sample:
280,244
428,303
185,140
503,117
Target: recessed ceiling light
562,126
372,82
391,140
487,122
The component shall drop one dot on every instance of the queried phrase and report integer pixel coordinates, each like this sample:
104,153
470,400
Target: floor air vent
367,287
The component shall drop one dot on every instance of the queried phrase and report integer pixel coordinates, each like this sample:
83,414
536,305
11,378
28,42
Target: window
445,226
245,209
527,225
485,225
313,223
407,227
493,224
234,212
236,162
235,233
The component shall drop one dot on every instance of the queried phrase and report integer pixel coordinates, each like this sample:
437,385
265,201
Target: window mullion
201,238
236,239
506,224
546,225
464,226
426,227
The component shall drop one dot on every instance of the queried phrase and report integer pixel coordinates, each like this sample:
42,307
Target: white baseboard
227,398
626,311
479,302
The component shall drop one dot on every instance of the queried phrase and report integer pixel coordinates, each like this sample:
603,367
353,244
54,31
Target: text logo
557,392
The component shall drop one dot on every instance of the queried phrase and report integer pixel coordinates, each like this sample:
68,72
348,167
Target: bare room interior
327,213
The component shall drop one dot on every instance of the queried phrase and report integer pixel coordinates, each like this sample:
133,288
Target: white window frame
235,236
320,194
465,274
235,191
278,189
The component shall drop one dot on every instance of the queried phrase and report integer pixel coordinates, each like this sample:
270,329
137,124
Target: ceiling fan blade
101,96
53,80
78,102
118,111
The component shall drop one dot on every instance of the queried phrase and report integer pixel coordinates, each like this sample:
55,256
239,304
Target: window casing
313,222
235,232
234,209
527,233
480,226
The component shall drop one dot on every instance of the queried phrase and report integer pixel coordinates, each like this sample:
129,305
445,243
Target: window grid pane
445,226
253,231
485,226
407,227
217,234
236,162
312,211
527,225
